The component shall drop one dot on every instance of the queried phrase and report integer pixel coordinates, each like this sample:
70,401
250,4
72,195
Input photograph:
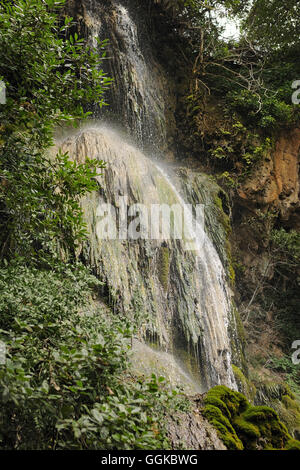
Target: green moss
231,273
246,429
258,414
244,384
267,420
289,412
218,202
225,430
279,396
290,403
214,413
242,426
164,266
292,444
214,401
235,402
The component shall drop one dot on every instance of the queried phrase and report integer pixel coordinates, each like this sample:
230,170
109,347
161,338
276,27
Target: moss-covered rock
292,445
279,396
245,386
274,434
221,405
225,430
242,426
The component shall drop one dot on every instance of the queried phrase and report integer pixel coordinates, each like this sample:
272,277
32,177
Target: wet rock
191,431
158,278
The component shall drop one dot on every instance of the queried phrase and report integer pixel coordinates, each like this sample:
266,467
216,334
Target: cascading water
181,296
215,301
141,98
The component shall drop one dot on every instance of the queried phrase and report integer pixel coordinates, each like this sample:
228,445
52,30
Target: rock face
177,286
275,183
181,295
192,431
142,99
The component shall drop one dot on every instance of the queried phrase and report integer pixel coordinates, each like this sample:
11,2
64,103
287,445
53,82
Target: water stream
180,295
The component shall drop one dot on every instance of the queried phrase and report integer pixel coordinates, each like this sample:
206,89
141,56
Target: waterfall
179,296
215,299
183,302
141,99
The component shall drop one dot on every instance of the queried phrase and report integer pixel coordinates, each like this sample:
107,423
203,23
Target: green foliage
49,75
292,445
285,250
240,150
247,77
42,209
288,243
272,30
227,180
242,426
268,113
66,382
291,371
274,24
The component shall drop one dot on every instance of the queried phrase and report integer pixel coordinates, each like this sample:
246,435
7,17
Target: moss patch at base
245,427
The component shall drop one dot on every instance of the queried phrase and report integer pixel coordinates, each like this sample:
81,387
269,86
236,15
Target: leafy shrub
50,75
66,382
292,373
